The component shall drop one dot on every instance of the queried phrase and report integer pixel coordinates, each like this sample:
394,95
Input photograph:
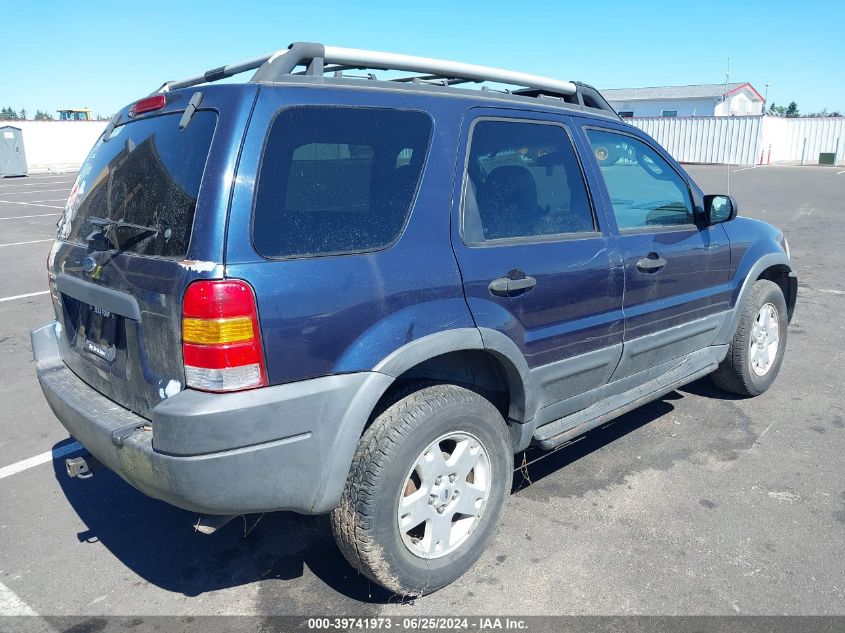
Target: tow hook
81,467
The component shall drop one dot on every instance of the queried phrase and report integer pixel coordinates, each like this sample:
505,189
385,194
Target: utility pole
725,105
765,99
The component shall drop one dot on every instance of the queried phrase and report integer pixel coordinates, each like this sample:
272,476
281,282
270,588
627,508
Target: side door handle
651,264
503,286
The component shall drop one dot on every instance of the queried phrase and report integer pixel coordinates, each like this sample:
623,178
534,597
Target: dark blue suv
325,292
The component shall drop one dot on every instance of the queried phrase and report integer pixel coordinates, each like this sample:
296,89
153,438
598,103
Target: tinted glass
147,174
523,180
338,180
644,189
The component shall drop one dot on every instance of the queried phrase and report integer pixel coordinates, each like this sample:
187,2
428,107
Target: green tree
823,113
776,110
791,110
23,114
43,116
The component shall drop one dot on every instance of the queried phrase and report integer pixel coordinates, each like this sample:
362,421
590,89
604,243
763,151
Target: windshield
147,175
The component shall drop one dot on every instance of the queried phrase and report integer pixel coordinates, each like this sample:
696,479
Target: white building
695,100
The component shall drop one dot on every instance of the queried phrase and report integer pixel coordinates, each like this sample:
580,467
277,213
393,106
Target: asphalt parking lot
698,503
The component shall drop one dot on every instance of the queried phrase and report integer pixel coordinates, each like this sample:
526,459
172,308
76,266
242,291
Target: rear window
144,180
338,180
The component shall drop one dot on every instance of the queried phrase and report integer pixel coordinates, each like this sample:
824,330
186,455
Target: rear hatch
127,248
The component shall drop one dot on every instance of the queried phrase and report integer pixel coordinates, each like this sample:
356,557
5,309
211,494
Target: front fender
748,271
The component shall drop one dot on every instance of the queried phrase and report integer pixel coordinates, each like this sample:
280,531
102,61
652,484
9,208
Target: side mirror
719,208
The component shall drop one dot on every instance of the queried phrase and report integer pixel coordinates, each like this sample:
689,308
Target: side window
523,180
644,189
338,180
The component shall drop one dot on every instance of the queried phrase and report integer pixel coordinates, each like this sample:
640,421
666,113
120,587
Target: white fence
56,145
801,140
747,140
737,140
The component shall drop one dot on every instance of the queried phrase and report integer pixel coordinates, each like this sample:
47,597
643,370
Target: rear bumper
287,447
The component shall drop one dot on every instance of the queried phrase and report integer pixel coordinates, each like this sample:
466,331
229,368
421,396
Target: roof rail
315,57
319,60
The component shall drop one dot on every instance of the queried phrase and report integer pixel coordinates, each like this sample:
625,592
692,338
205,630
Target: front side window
644,189
523,180
338,180
669,113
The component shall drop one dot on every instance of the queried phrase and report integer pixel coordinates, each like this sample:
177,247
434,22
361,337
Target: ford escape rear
329,293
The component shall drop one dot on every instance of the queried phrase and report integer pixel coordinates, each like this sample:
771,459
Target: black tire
365,523
735,373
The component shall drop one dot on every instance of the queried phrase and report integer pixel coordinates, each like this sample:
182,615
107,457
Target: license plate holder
97,332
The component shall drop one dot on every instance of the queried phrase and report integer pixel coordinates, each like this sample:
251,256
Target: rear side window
523,180
338,180
137,191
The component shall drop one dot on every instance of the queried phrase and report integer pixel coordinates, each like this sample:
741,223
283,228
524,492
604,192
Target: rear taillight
51,279
148,104
221,342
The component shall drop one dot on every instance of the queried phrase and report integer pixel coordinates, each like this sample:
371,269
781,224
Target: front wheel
426,489
756,351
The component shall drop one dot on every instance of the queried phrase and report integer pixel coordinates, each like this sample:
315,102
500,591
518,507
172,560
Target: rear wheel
426,489
756,351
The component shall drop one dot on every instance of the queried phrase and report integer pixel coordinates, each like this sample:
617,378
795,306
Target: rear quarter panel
337,314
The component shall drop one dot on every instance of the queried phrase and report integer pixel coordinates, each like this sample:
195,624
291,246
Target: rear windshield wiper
108,229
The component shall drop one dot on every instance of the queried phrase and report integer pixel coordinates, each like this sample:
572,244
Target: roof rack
319,60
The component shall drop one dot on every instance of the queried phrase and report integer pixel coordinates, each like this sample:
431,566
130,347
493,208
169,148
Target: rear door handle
504,287
651,264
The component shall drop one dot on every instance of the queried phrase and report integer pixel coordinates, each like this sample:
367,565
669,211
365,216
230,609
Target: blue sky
107,54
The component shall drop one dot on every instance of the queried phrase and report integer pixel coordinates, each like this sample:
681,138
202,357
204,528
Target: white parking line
29,294
840,172
30,204
67,170
11,604
38,184
49,239
43,458
15,193
24,217
51,174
